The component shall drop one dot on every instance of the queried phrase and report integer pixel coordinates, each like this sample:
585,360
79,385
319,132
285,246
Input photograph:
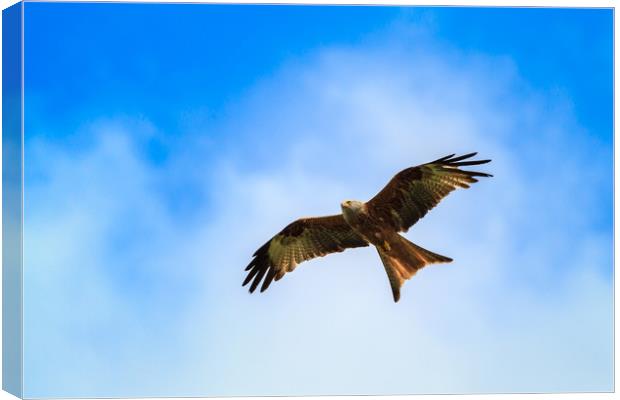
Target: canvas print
259,200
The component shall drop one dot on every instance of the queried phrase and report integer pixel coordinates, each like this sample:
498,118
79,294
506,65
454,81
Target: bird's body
355,213
400,257
408,196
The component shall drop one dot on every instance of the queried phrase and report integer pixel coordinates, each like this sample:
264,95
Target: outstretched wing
301,240
412,192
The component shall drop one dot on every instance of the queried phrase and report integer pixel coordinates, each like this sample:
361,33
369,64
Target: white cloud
125,298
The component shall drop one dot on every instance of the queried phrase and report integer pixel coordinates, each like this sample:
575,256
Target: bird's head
352,207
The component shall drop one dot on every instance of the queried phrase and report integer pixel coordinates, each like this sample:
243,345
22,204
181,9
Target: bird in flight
407,197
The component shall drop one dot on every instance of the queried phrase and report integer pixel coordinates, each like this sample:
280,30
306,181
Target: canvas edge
12,196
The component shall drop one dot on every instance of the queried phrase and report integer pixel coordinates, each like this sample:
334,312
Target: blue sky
164,143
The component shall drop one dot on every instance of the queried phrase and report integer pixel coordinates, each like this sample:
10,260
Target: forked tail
402,259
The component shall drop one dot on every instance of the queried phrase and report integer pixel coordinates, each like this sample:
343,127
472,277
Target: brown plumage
407,197
301,240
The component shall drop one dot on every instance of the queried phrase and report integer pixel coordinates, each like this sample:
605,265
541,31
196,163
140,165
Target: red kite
403,201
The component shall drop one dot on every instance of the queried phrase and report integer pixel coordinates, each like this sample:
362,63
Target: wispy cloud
126,294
